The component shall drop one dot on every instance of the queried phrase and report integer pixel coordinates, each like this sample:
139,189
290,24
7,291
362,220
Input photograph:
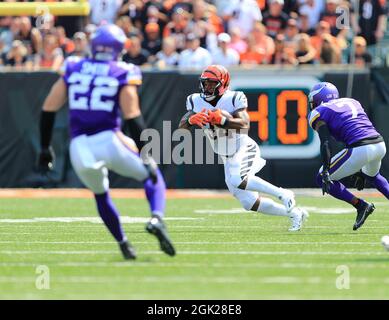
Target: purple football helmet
107,42
322,92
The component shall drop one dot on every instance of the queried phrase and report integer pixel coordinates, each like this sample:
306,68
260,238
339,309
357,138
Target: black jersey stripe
234,98
191,101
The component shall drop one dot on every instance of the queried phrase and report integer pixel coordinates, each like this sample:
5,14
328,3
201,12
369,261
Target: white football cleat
385,242
298,217
287,197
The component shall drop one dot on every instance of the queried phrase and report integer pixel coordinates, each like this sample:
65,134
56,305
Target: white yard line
281,243
335,210
97,220
191,279
266,227
101,252
137,264
48,233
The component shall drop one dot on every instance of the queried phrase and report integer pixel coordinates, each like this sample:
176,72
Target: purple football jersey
346,120
93,93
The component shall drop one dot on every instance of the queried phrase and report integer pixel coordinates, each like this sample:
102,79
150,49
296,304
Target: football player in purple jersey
346,121
97,90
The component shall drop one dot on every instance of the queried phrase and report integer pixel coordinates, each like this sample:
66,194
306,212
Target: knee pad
266,205
247,204
90,167
235,181
85,170
94,179
246,199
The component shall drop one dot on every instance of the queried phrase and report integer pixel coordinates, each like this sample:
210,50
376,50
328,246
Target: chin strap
209,99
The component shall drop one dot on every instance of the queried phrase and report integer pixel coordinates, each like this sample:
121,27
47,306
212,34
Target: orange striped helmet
214,81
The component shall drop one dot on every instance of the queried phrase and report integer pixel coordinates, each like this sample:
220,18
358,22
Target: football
385,242
224,113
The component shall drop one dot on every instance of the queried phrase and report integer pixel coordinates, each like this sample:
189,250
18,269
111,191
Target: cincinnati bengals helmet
214,81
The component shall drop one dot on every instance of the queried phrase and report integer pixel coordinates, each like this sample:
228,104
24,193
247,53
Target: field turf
225,254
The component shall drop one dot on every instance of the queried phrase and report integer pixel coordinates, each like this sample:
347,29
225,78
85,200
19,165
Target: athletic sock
270,207
110,215
338,190
255,183
156,195
380,183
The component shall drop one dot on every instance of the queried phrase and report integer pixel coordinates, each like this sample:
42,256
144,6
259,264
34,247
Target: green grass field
220,255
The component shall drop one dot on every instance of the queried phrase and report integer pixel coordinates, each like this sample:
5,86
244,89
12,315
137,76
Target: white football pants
245,162
92,156
349,161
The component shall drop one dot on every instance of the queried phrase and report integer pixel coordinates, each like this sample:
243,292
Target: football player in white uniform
222,114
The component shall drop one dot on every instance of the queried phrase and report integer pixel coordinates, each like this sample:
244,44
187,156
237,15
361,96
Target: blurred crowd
196,33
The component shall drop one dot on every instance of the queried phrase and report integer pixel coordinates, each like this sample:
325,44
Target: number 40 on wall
271,114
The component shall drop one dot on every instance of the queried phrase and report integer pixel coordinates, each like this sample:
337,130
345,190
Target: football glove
46,159
326,182
199,119
216,117
151,166
359,181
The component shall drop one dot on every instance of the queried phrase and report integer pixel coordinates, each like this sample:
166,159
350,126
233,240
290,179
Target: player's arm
133,121
184,122
192,118
54,101
240,120
325,147
325,152
134,124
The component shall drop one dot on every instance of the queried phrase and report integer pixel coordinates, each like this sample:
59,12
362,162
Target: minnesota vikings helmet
107,42
322,92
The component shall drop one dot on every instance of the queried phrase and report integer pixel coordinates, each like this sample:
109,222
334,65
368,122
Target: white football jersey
223,142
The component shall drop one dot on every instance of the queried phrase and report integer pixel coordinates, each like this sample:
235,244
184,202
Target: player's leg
125,160
344,164
251,201
380,183
258,184
241,170
94,175
371,171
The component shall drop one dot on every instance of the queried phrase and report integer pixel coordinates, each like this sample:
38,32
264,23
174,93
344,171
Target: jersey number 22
102,87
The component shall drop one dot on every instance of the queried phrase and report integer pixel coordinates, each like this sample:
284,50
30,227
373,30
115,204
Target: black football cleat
363,212
156,227
127,250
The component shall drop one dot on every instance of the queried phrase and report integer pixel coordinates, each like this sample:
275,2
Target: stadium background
31,55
